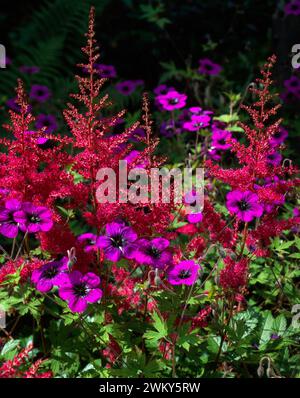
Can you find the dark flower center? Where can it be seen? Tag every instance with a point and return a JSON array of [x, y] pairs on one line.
[[153, 252], [222, 141], [277, 135], [80, 290], [208, 67], [117, 240], [243, 205], [50, 272], [173, 101], [169, 128], [252, 248], [10, 218], [184, 274], [34, 219]]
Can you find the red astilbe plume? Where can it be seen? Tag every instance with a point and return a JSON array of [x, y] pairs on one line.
[[28, 171], [26, 267], [149, 218], [270, 227], [234, 275], [201, 319], [18, 366], [253, 157], [255, 172], [216, 226], [94, 147]]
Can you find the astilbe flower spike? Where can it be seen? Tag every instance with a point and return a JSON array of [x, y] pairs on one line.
[[20, 164], [15, 368], [95, 148], [264, 183]]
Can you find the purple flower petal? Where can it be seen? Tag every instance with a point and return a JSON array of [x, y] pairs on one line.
[[9, 230], [44, 285], [91, 279], [94, 295], [77, 304]]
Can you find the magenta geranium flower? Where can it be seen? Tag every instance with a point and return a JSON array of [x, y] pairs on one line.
[[244, 204], [274, 158], [197, 122], [132, 156], [8, 225], [127, 87], [3, 193], [79, 290], [49, 275], [292, 84], [172, 100], [219, 139], [48, 121], [33, 219], [107, 71], [195, 110], [184, 273], [279, 137], [137, 134], [89, 240], [153, 252], [214, 154], [292, 8], [39, 140], [170, 128], [162, 89], [296, 212], [207, 67], [118, 241], [12, 104], [194, 218], [39, 93]]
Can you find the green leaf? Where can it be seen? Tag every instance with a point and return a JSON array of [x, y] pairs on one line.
[[279, 325], [9, 346], [161, 331], [295, 255], [188, 339], [228, 118], [235, 128], [266, 329]]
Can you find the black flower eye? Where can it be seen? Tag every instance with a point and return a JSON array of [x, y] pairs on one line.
[[184, 274], [80, 290], [243, 205]]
